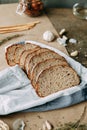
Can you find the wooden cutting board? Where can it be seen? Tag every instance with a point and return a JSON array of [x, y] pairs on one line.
[[34, 120]]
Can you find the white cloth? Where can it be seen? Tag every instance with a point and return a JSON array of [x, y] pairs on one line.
[[12, 78], [17, 94]]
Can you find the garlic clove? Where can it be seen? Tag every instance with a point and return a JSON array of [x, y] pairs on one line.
[[48, 125], [62, 31], [74, 53], [64, 37], [44, 126]]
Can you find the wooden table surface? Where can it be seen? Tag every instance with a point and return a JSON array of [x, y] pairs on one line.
[[34, 120], [75, 28]]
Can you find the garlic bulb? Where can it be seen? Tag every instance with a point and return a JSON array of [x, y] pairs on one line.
[[3, 126], [18, 124], [48, 36]]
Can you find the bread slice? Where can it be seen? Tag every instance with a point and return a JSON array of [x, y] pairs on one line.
[[19, 51], [56, 78], [29, 56], [10, 53], [44, 65], [41, 57], [30, 46], [24, 55]]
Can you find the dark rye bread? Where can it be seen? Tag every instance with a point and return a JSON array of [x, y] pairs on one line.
[[41, 57], [10, 54], [24, 55], [29, 56], [44, 65], [19, 51], [56, 78]]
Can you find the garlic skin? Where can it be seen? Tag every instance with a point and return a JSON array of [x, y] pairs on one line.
[[72, 40], [64, 37], [74, 53], [61, 41], [18, 124], [3, 126], [48, 36]]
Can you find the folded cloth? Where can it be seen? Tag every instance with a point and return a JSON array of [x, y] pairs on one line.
[[12, 78], [62, 101], [17, 93]]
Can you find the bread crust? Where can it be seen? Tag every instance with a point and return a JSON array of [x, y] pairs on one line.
[[10, 55], [20, 50], [27, 61], [39, 67], [50, 74], [75, 80], [41, 57], [28, 57], [24, 55]]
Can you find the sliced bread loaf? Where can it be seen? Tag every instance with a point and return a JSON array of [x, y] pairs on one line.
[[10, 54], [19, 51], [44, 65], [29, 56], [41, 57], [56, 78], [24, 55]]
